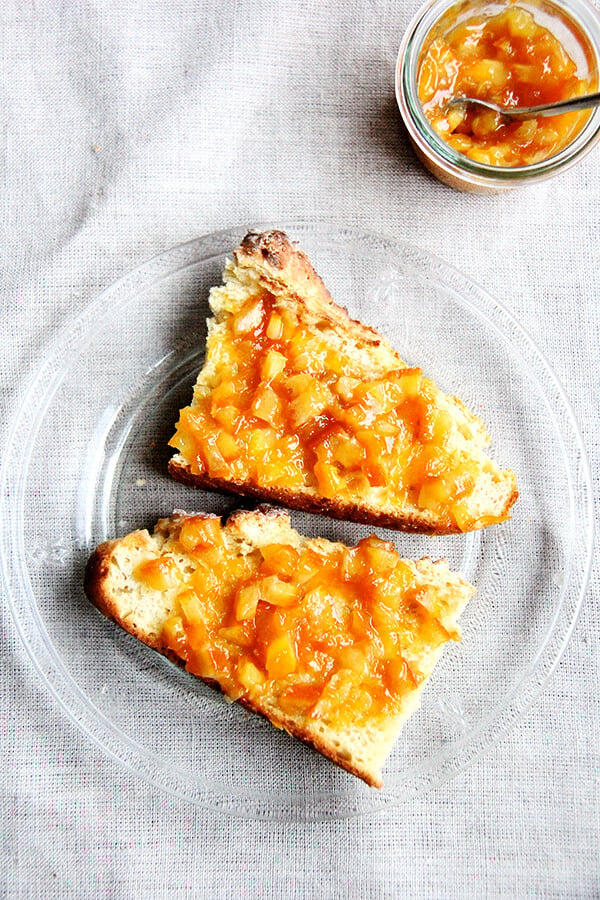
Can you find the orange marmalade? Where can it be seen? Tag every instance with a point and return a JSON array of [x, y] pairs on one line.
[[326, 631], [509, 59], [285, 411]]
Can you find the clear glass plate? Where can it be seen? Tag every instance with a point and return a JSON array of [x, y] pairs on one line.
[[87, 460]]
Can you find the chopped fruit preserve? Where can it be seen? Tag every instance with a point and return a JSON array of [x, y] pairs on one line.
[[509, 59], [331, 632], [286, 412]]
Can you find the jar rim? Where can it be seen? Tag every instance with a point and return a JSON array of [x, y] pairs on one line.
[[586, 20]]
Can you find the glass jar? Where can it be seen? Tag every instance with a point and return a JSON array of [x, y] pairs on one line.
[[576, 25]]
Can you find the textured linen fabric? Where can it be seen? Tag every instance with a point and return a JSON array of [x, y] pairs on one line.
[[132, 127]]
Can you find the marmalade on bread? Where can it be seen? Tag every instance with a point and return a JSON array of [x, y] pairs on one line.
[[334, 635], [285, 410]]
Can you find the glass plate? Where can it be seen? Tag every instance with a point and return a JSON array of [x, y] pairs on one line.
[[87, 459]]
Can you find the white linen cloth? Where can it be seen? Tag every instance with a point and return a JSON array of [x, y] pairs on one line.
[[129, 127]]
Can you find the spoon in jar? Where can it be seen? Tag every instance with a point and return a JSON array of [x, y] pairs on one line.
[[530, 112]]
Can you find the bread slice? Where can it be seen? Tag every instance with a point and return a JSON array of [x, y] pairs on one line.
[[298, 404], [331, 643]]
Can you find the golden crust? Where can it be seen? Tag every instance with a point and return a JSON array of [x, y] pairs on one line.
[[97, 580], [308, 501], [285, 268], [319, 744]]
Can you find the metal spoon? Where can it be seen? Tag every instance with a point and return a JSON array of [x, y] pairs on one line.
[[531, 112]]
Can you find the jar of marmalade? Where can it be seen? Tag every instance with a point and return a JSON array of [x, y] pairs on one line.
[[512, 52]]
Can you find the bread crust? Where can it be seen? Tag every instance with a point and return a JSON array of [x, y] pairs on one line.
[[100, 587], [284, 267], [96, 586], [310, 502], [269, 261]]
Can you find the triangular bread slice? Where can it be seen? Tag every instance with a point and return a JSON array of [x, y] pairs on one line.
[[331, 643], [298, 404]]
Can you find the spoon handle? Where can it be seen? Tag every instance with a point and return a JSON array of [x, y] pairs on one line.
[[553, 109], [530, 112]]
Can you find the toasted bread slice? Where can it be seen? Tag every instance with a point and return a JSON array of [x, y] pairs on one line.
[[331, 643], [297, 403]]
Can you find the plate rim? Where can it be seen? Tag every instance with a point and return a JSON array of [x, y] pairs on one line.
[[390, 244]]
